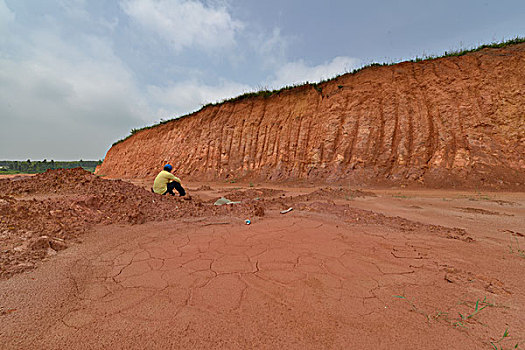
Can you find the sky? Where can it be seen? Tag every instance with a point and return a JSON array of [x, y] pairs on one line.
[[77, 75]]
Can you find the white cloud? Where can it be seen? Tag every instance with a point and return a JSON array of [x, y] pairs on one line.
[[272, 47], [67, 101], [74, 8], [6, 17], [187, 96], [185, 23], [91, 71], [299, 72]]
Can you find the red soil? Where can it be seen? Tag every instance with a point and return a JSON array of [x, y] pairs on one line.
[[62, 204], [455, 122], [345, 268]]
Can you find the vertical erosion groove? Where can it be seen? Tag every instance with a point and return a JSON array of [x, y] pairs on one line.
[[245, 138], [410, 137], [395, 137], [379, 142], [220, 139], [284, 152], [304, 151], [349, 151], [295, 144], [260, 145]]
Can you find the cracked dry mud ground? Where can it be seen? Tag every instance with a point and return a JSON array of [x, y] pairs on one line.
[[306, 279]]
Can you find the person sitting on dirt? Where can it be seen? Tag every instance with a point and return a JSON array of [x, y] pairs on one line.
[[165, 182]]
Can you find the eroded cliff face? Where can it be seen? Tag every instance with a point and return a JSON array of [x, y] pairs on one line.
[[449, 122]]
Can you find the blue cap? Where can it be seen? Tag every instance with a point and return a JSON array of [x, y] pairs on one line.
[[168, 167]]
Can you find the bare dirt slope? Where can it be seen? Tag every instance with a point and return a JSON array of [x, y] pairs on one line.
[[448, 122]]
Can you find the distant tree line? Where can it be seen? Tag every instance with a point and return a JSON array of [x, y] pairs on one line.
[[40, 166]]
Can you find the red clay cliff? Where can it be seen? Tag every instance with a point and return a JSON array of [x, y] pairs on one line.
[[447, 122]]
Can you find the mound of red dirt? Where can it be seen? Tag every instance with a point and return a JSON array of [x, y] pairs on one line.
[[333, 193], [203, 188], [84, 200], [252, 194], [351, 215]]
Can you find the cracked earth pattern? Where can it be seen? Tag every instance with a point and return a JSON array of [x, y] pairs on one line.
[[298, 282]]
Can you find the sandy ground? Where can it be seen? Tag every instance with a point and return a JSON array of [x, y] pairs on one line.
[[10, 176], [400, 270]]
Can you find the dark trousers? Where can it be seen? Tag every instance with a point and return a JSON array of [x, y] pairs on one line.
[[175, 185]]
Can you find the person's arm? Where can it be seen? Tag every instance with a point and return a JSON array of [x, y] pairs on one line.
[[173, 178]]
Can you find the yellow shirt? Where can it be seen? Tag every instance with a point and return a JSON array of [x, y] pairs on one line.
[[160, 185]]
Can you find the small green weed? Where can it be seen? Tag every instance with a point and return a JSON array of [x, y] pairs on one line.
[[495, 344], [480, 305], [430, 317], [414, 308], [317, 87], [463, 318], [478, 197], [516, 249], [461, 322]]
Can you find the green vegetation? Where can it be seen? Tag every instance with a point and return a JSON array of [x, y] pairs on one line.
[[35, 167], [265, 93], [476, 197], [459, 322], [514, 247], [480, 305], [495, 344], [412, 305], [400, 195]]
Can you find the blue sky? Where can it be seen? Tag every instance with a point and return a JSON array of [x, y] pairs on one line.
[[76, 75]]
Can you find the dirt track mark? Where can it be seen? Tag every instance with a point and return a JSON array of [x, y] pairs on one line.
[[481, 211]]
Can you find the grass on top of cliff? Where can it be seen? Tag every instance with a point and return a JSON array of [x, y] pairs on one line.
[[265, 93]]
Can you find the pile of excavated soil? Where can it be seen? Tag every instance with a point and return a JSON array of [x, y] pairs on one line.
[[44, 213], [334, 193], [351, 215], [252, 194]]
